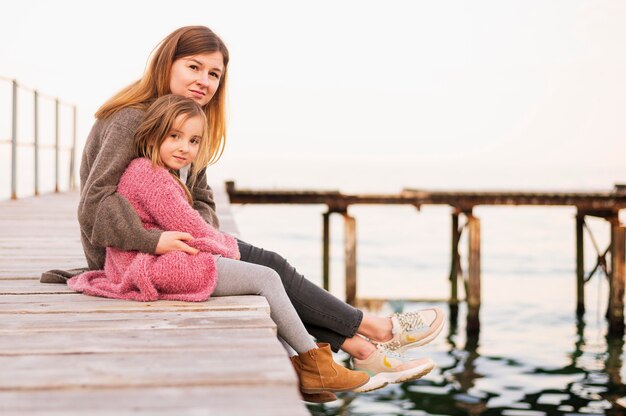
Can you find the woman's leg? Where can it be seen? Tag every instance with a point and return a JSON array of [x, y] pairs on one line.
[[333, 321], [325, 317], [239, 278]]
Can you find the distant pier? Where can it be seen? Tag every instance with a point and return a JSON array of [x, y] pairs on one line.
[[604, 205]]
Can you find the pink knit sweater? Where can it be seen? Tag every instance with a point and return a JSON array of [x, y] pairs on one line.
[[161, 204]]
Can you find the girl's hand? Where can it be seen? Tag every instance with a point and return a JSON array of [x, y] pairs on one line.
[[174, 241]]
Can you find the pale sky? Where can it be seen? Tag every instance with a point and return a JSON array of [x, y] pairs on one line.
[[500, 82]]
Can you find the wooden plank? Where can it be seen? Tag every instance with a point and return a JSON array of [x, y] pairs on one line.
[[241, 366], [31, 286], [276, 400], [592, 201], [31, 273], [134, 341], [26, 263], [19, 324], [12, 304]]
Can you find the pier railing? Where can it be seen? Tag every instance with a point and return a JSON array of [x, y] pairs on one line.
[[16, 140], [604, 205]]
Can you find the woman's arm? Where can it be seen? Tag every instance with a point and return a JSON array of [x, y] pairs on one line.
[[203, 201], [107, 219]]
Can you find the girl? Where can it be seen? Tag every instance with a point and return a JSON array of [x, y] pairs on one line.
[[193, 62], [171, 137]]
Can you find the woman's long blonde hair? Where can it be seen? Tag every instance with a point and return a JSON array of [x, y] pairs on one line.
[[159, 121], [186, 41]]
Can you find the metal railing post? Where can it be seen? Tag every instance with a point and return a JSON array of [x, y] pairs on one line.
[[36, 139], [14, 143], [36, 143], [73, 151]]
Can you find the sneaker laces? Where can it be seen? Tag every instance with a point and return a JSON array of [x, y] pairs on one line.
[[390, 353], [410, 320]]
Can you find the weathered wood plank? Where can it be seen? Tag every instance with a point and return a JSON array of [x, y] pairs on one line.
[[156, 401], [156, 369], [21, 323], [217, 341], [12, 304], [30, 274], [593, 201], [18, 264], [31, 286]]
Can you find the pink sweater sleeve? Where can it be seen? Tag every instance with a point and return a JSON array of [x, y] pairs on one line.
[[155, 191]]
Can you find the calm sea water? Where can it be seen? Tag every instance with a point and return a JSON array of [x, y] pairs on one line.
[[533, 356]]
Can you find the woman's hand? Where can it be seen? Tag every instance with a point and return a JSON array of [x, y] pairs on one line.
[[175, 241]]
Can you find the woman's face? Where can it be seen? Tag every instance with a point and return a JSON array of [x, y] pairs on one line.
[[197, 76]]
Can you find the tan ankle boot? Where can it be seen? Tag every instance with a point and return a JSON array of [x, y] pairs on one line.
[[318, 372], [322, 397]]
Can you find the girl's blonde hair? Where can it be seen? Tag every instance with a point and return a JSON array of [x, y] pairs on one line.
[[183, 42], [159, 121]]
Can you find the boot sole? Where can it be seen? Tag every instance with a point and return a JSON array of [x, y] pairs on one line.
[[395, 378], [310, 391], [306, 398]]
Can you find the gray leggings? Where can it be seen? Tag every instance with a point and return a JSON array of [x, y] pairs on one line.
[[236, 277]]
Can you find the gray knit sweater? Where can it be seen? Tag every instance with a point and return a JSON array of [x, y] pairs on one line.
[[106, 218]]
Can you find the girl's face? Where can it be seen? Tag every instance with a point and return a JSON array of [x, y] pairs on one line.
[[180, 147], [197, 76]]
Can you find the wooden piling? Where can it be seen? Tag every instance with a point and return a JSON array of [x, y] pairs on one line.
[[350, 257], [326, 251], [580, 264], [473, 286], [616, 291], [454, 265]]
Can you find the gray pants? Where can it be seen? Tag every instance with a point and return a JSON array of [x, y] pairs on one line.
[[236, 277], [324, 316]]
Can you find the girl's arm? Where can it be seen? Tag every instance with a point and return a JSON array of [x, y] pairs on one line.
[[106, 219], [154, 191]]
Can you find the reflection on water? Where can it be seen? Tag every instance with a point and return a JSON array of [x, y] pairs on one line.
[[520, 365]]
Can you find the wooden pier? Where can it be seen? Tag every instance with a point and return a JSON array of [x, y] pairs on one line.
[[63, 353], [605, 205]]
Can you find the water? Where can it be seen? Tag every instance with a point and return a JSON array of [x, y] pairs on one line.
[[533, 356], [528, 360]]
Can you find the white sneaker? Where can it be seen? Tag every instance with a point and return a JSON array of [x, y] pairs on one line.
[[385, 367], [413, 329]]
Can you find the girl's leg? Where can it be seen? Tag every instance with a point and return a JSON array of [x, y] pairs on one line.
[[239, 278], [326, 318], [316, 369]]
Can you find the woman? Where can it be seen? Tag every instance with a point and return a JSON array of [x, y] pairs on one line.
[[193, 62]]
